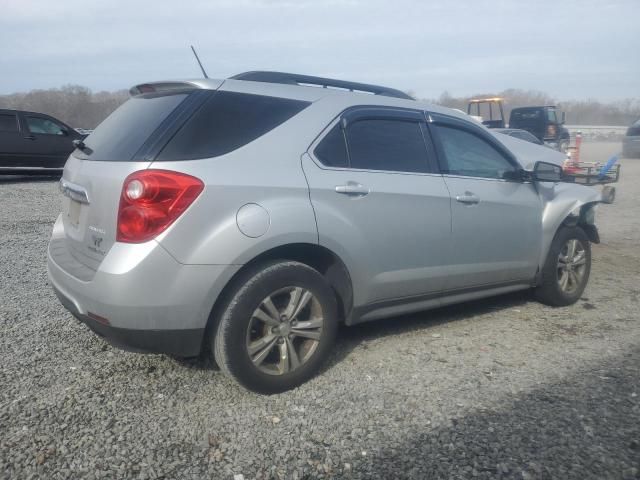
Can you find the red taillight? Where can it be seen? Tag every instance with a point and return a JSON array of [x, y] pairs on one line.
[[151, 200]]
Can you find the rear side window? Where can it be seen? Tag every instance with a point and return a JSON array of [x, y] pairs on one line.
[[120, 136], [469, 155], [391, 145], [8, 122], [332, 150], [227, 121]]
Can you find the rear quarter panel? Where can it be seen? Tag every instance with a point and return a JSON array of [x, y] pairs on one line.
[[266, 172]]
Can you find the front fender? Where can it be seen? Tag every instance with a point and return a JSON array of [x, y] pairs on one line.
[[566, 203]]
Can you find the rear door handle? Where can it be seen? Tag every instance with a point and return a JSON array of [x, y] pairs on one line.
[[30, 137], [352, 188], [468, 199]]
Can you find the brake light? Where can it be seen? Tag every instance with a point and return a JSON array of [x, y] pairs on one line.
[[151, 200]]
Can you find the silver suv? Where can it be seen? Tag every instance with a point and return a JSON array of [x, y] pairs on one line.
[[244, 219]]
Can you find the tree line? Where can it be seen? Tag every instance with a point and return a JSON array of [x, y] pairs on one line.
[[75, 105], [78, 106]]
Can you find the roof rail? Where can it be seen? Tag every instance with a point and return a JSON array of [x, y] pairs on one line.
[[308, 80]]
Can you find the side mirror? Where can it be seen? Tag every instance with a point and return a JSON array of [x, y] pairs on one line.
[[563, 118], [547, 172], [64, 131]]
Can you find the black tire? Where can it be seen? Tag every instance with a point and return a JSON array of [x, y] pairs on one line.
[[238, 323], [550, 291]]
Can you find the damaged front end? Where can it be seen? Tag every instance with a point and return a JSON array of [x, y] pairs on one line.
[[566, 200], [569, 204]]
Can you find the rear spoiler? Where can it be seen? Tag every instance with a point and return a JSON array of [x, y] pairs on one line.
[[154, 87]]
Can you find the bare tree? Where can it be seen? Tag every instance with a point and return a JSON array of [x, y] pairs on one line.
[[583, 112], [80, 107], [73, 104]]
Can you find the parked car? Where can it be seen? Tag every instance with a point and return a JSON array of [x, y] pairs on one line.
[[631, 141], [520, 134], [247, 217], [34, 143]]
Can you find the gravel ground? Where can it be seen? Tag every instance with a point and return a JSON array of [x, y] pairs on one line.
[[501, 388]]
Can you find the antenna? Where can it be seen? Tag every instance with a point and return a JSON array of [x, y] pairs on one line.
[[199, 63]]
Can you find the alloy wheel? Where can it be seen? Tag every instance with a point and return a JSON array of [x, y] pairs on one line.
[[571, 267], [285, 330]]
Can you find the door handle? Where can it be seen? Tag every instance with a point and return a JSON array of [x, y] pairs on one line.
[[30, 137], [468, 199], [352, 188]]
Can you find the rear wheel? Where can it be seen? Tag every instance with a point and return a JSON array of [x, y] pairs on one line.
[[566, 271], [278, 328]]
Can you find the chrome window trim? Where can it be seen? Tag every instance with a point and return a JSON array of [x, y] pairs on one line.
[[74, 191], [311, 150]]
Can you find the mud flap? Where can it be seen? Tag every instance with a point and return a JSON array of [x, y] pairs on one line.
[[592, 232]]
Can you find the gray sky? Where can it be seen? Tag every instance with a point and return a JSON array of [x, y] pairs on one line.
[[571, 49]]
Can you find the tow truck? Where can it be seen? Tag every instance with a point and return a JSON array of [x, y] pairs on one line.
[[544, 122]]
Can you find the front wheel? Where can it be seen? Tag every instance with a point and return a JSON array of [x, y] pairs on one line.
[[278, 328], [567, 268]]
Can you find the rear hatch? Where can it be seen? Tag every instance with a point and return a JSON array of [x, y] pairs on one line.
[[122, 144]]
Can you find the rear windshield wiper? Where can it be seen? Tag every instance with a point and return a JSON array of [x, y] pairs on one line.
[[79, 144]]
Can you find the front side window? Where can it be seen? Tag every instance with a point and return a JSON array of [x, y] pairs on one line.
[[551, 116], [469, 155], [44, 126], [8, 122], [391, 145]]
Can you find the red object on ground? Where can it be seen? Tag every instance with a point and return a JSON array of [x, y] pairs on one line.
[[578, 144]]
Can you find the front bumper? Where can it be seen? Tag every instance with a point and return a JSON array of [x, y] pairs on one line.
[[139, 297]]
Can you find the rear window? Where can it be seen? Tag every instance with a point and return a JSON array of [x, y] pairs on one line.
[[523, 135], [227, 121], [525, 116], [8, 122], [120, 136]]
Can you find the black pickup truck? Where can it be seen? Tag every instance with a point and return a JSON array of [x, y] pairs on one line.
[[34, 143], [544, 123]]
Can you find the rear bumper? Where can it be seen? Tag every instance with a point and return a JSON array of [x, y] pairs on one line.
[[181, 343], [139, 298]]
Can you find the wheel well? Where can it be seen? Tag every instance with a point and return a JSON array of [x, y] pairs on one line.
[[584, 221], [321, 259], [317, 257]]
